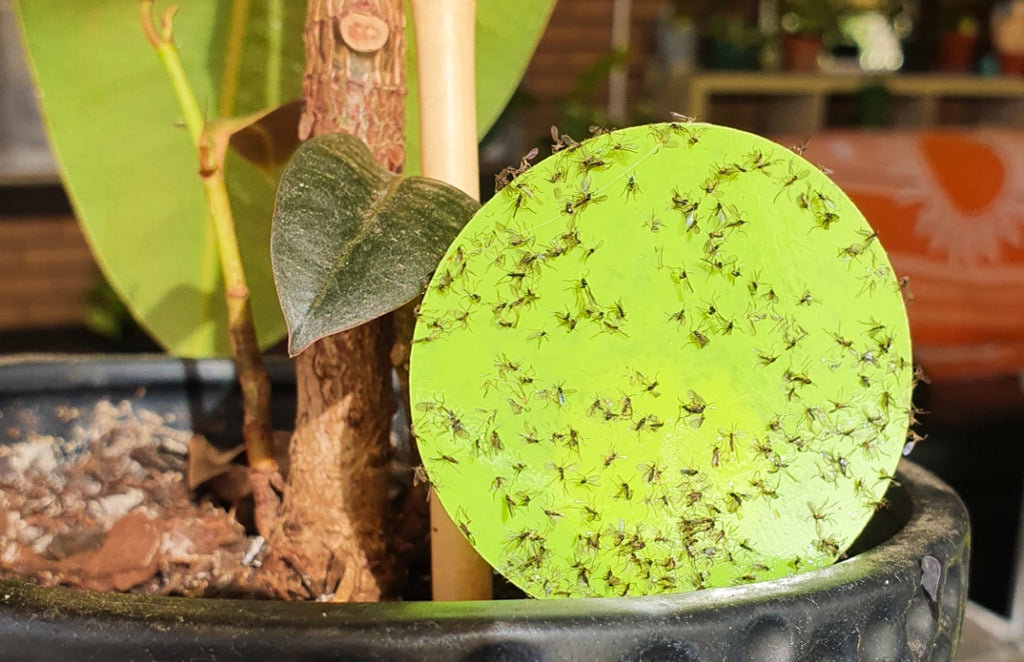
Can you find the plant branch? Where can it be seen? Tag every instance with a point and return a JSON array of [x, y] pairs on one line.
[[251, 374], [252, 377], [162, 41]]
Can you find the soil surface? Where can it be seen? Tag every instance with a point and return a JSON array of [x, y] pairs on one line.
[[111, 509]]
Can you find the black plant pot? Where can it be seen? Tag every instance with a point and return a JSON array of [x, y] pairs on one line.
[[902, 597]]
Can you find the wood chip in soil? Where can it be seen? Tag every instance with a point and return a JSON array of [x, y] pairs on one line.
[[111, 510]]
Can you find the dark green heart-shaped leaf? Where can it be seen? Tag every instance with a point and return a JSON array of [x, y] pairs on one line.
[[351, 241]]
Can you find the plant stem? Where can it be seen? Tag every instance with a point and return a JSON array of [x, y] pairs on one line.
[[162, 41], [252, 376], [233, 57], [337, 524], [275, 52]]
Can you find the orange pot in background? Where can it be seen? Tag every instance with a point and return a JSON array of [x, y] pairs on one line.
[[800, 52], [957, 52], [1011, 64], [948, 205]]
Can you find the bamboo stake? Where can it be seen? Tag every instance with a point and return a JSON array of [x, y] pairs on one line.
[[444, 32]]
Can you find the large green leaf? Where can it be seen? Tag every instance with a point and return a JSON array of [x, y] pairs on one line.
[[352, 241], [130, 172]]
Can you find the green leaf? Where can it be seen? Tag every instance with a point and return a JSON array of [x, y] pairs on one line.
[[352, 241], [131, 174]]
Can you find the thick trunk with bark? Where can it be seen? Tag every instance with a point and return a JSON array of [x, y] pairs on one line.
[[336, 530], [355, 74]]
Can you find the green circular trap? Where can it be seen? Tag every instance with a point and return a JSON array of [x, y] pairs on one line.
[[669, 357]]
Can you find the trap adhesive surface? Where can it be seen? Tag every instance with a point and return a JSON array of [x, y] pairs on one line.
[[669, 357]]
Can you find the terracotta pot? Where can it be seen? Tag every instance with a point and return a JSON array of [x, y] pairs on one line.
[[1011, 64], [800, 52], [957, 52]]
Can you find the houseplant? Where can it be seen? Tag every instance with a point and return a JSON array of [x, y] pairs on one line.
[[958, 44], [729, 37], [638, 638], [806, 24], [175, 292]]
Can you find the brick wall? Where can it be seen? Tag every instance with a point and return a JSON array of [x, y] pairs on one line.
[[578, 35], [45, 270]]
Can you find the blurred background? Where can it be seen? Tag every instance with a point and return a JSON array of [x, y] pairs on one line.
[[916, 107]]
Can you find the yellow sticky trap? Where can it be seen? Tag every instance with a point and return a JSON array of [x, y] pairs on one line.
[[666, 358]]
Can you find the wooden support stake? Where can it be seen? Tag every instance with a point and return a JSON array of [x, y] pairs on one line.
[[445, 47]]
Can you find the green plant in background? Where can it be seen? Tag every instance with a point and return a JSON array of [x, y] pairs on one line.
[[967, 25], [105, 313], [669, 357], [582, 109], [731, 37], [811, 17], [957, 17]]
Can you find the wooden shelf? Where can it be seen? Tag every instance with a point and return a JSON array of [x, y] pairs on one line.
[[767, 102]]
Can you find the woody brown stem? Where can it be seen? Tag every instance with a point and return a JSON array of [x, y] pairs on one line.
[[337, 522]]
